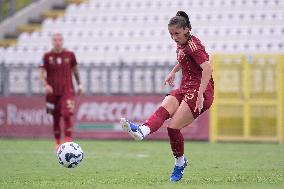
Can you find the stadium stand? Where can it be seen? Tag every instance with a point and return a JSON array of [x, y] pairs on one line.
[[123, 48], [114, 31]]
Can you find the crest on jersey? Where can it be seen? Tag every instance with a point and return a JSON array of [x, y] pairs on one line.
[[50, 60]]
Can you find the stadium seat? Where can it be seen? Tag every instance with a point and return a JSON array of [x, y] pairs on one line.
[[112, 31]]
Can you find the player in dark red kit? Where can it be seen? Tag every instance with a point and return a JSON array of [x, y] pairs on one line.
[[194, 96], [56, 72]]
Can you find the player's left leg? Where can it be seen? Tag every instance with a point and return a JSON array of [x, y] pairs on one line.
[[182, 117]]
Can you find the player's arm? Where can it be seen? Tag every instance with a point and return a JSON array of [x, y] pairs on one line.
[[202, 59], [206, 76], [171, 77], [78, 80], [42, 75], [176, 68]]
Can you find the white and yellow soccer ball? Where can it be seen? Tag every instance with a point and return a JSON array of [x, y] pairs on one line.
[[70, 154]]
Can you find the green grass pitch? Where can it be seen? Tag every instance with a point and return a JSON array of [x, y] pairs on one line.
[[148, 164]]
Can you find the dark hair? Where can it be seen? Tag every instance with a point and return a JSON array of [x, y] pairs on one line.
[[181, 20]]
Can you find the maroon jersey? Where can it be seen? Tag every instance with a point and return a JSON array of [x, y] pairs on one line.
[[190, 56], [59, 69]]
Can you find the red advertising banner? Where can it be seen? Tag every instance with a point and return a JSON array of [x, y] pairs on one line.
[[95, 117]]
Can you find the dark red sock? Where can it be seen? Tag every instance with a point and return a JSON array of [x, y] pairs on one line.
[[156, 120], [68, 127], [177, 142], [56, 127]]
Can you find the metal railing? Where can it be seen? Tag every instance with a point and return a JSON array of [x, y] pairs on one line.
[[96, 79]]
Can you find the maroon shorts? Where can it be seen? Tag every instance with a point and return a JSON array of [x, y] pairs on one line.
[[190, 97], [63, 104]]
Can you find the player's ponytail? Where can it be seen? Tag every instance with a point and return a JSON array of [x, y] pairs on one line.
[[181, 20], [185, 16]]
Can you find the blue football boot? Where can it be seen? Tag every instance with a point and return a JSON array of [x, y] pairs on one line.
[[178, 172], [133, 129]]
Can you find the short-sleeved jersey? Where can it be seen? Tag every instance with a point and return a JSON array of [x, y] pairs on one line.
[[59, 69], [190, 56]]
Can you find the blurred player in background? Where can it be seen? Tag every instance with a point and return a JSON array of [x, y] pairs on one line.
[[56, 72], [194, 96]]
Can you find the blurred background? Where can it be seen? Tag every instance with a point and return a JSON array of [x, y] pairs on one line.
[[125, 52]]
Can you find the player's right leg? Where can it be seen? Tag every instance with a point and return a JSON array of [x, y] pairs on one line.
[[154, 122]]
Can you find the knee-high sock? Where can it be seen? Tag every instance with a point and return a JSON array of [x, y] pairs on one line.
[[176, 141], [68, 128], [156, 120], [56, 127]]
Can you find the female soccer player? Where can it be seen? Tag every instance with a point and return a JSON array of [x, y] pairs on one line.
[[194, 96], [58, 66]]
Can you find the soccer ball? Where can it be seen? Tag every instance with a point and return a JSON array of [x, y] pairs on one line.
[[70, 154]]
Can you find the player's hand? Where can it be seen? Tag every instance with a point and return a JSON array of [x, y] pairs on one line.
[[170, 79], [48, 89], [80, 91], [199, 103]]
